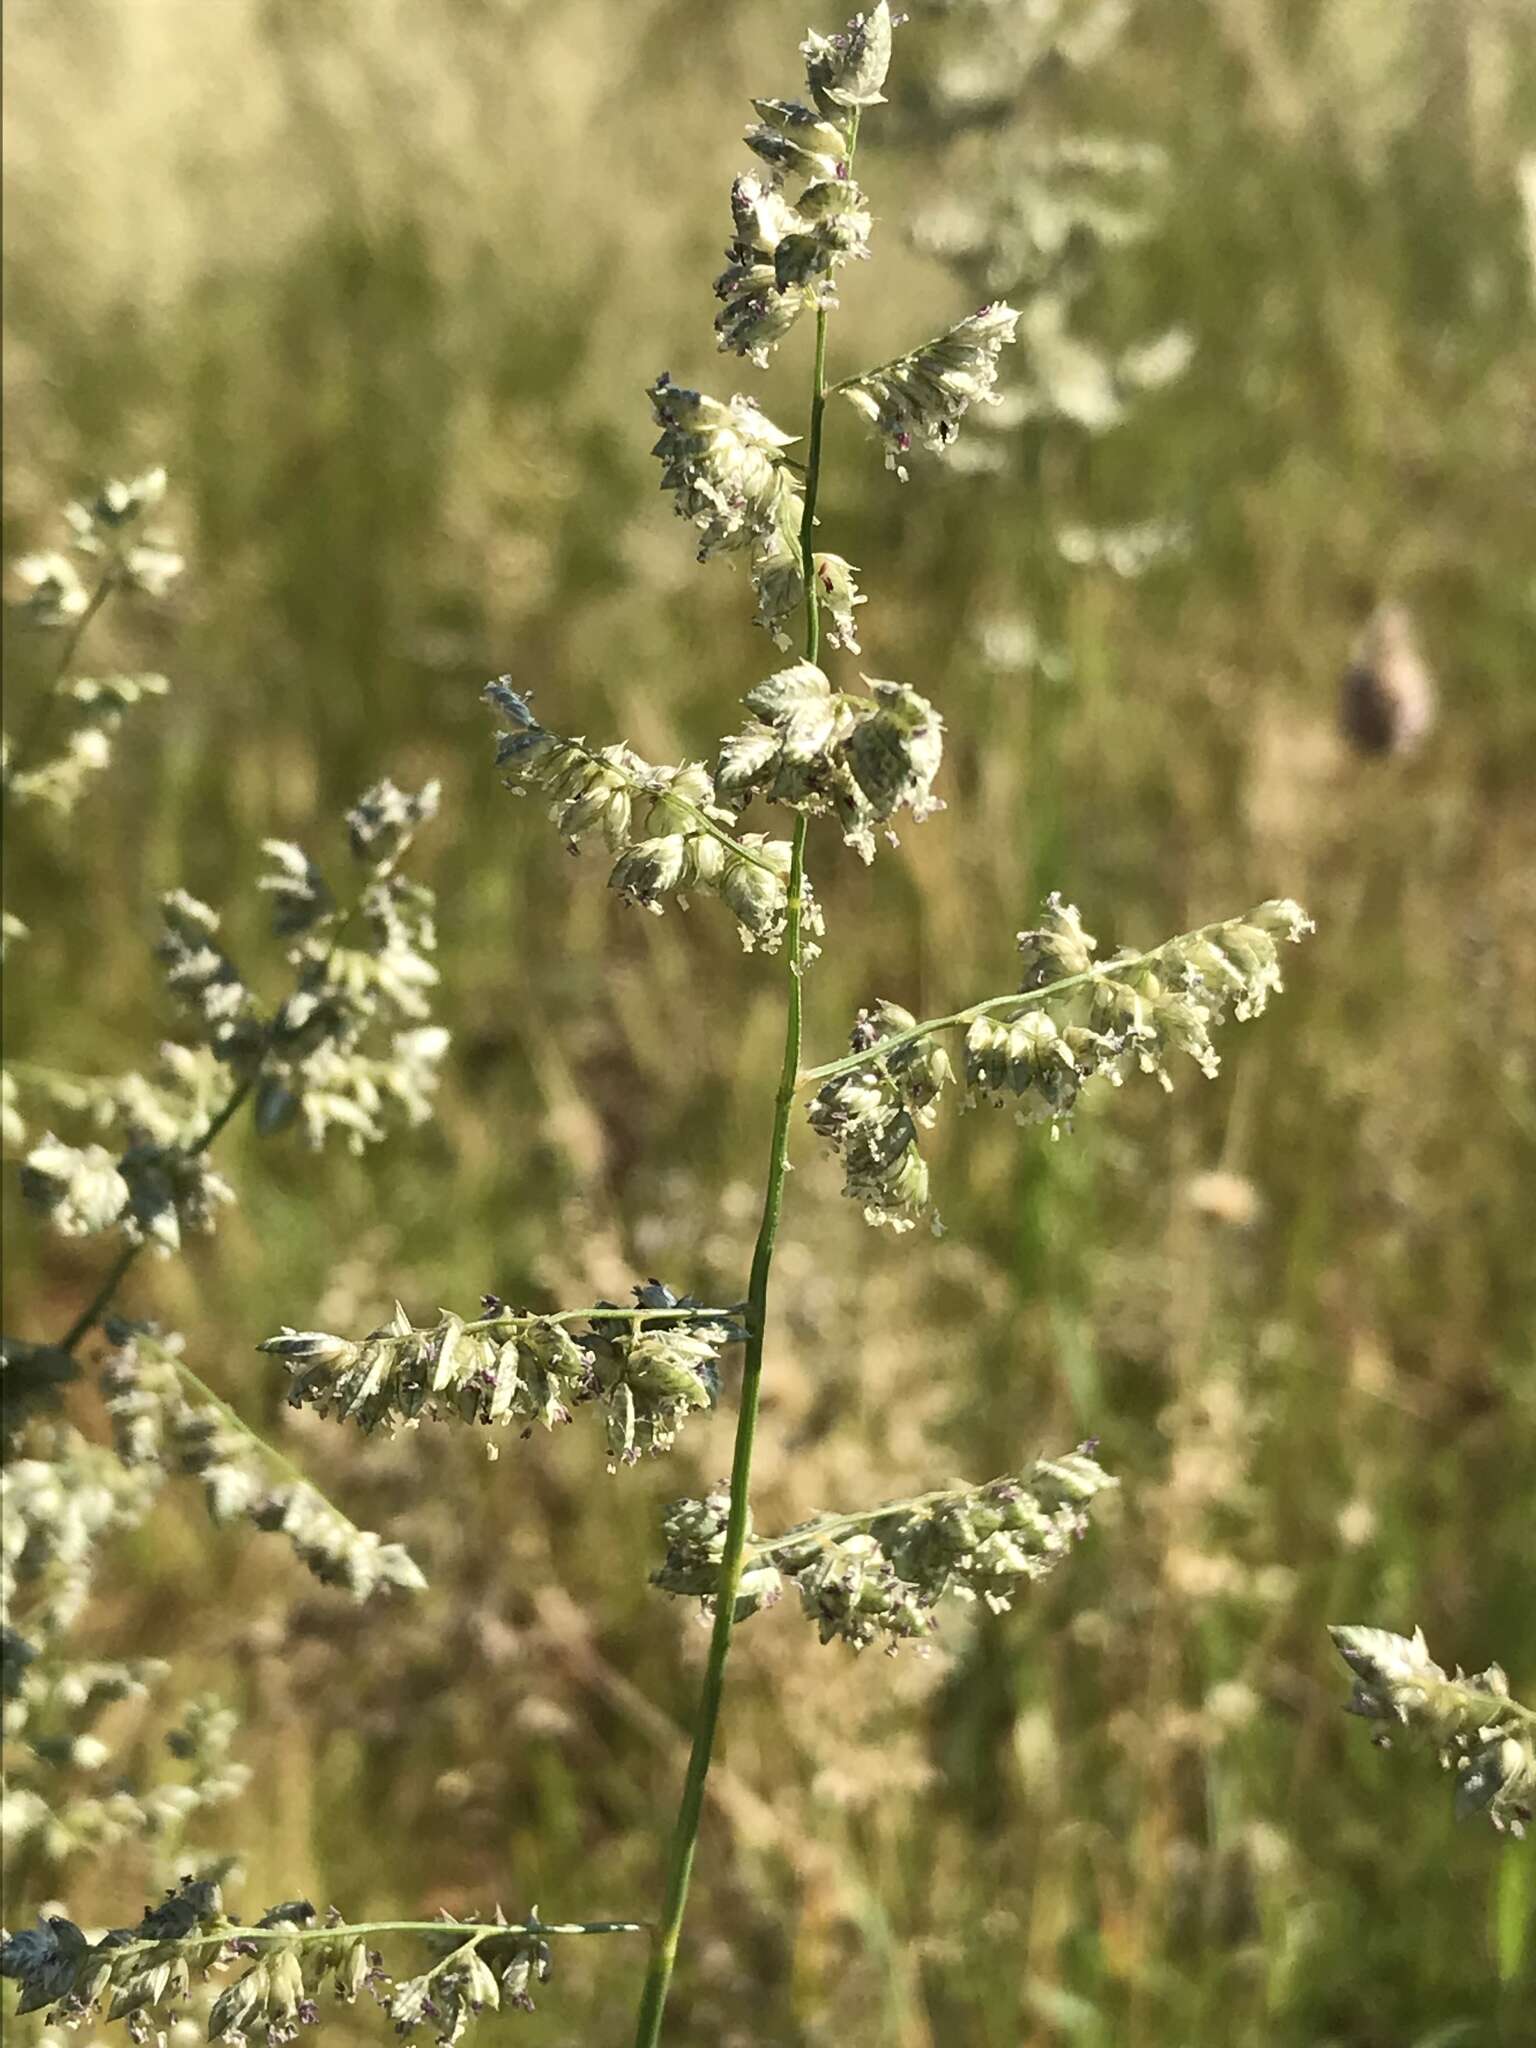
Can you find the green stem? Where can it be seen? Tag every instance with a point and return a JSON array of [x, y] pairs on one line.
[[97, 1306], [685, 1831], [490, 1325], [204, 1392], [773, 1547]]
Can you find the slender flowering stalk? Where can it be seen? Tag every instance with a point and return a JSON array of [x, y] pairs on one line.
[[685, 1830], [354, 1040], [1069, 1023], [881, 1572], [287, 1960]]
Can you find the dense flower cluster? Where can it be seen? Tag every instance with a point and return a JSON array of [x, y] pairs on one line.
[[921, 398], [649, 1367], [354, 1039], [882, 1574], [784, 252], [74, 1795], [112, 531], [58, 1504], [671, 835], [67, 1790], [820, 749], [724, 465], [289, 1961], [1072, 1021], [351, 1041], [159, 1425], [871, 1115], [1483, 1737], [111, 540]]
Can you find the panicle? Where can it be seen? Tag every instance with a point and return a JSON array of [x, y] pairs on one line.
[[158, 1421], [353, 1041], [823, 750], [1073, 1021], [1486, 1739], [920, 399], [784, 252], [96, 706], [648, 1368], [111, 530], [669, 832], [881, 1575]]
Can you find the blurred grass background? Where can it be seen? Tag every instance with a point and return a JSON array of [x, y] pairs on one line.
[[382, 286]]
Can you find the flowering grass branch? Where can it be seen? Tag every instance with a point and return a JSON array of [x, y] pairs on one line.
[[861, 758], [1483, 1737], [143, 1975]]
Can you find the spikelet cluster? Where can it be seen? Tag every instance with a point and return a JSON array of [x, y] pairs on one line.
[[649, 1369], [920, 399], [1483, 1737], [724, 464], [159, 1424], [1074, 1021], [291, 1964], [113, 533], [871, 1116], [881, 1576], [785, 251], [353, 1043], [669, 833], [111, 547], [862, 758]]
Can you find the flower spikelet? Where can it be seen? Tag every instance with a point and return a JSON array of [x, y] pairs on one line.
[[158, 1422], [667, 828], [201, 974], [866, 1577], [848, 69], [649, 1368], [1486, 1739], [921, 398], [818, 749], [1073, 1020], [871, 1116], [721, 462], [80, 1189]]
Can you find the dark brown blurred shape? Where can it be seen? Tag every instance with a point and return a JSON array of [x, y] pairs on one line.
[[1387, 702]]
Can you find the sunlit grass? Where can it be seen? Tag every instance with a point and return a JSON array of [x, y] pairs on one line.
[[384, 302]]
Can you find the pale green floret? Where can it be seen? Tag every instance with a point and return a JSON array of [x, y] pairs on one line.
[[849, 68]]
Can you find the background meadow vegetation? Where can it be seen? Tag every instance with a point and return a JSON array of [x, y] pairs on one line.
[[383, 286]]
